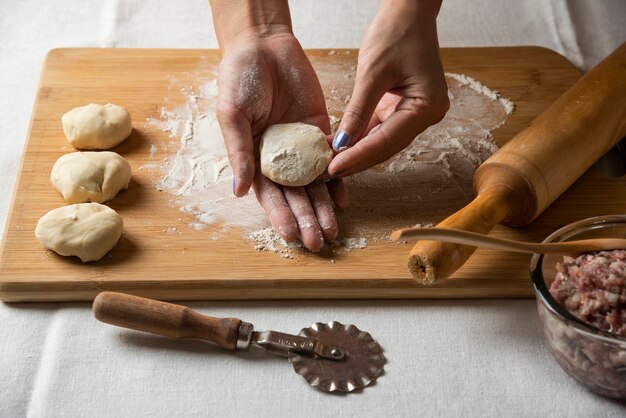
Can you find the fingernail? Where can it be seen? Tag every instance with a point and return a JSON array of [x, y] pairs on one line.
[[341, 140], [234, 184]]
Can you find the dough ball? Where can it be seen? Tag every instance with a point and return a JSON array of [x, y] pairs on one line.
[[96, 127], [294, 154], [90, 176], [86, 230]]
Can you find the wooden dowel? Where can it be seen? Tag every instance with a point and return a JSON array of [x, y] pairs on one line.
[[457, 236]]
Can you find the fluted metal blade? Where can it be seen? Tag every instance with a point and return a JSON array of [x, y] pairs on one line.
[[362, 364]]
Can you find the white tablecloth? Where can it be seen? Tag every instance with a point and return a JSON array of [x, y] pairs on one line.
[[446, 358]]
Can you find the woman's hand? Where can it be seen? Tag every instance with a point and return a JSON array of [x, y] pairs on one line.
[[264, 79], [400, 88]]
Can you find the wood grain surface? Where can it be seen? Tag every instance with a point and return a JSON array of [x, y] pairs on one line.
[[190, 265]]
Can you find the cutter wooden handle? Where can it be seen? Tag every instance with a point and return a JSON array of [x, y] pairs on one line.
[[528, 173], [163, 318]]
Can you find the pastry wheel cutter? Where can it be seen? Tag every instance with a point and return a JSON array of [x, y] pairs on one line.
[[332, 357]]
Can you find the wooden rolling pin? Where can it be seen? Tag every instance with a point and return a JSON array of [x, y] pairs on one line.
[[527, 174]]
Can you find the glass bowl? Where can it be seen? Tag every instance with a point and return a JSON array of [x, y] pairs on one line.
[[593, 357]]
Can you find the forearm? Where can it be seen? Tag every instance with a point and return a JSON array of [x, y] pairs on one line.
[[259, 17], [411, 18], [424, 10]]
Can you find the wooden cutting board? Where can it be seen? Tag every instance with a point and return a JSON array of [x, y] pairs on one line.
[[190, 264]]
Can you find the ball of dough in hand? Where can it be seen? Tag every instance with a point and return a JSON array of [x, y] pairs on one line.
[[294, 154], [86, 230], [90, 176], [96, 127]]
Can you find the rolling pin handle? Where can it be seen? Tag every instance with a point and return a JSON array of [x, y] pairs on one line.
[[166, 319], [433, 261]]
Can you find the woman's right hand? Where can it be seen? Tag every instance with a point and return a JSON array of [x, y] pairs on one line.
[[400, 89]]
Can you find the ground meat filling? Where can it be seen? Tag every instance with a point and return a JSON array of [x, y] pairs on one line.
[[592, 287]]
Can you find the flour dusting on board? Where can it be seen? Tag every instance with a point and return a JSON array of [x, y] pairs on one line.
[[195, 170], [430, 178], [465, 80]]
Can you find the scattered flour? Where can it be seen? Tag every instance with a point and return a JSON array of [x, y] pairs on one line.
[[267, 240], [465, 80], [194, 168], [418, 225], [353, 243], [430, 178]]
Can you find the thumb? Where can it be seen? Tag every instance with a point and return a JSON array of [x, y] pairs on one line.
[[237, 133], [365, 97]]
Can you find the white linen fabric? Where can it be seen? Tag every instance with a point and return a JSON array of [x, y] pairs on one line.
[[445, 357]]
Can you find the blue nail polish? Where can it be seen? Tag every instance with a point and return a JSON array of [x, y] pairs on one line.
[[342, 140], [234, 184]]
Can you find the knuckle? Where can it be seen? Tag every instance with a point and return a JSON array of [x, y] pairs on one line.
[[226, 112], [354, 115], [238, 158], [440, 106], [434, 106], [387, 142], [317, 193], [438, 103]]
